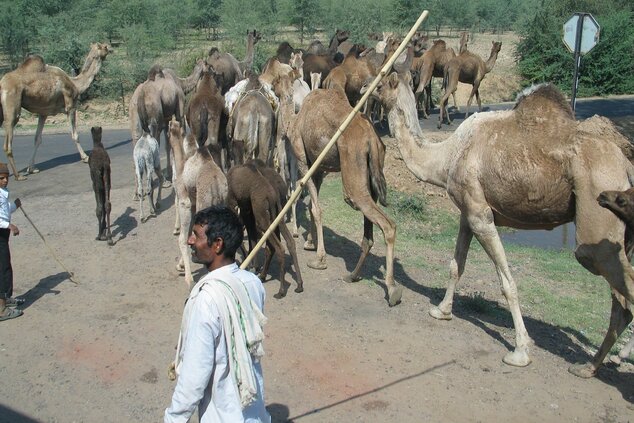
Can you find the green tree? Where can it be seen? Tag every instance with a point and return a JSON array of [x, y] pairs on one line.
[[303, 14], [17, 30]]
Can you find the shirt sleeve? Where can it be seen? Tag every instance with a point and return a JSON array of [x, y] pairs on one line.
[[12, 206], [199, 356]]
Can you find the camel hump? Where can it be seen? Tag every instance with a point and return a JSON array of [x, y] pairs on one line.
[[539, 101], [604, 129], [33, 63]]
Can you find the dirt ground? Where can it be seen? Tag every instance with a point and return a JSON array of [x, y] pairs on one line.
[[98, 351]]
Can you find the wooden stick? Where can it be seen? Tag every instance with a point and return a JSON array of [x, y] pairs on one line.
[[384, 70], [70, 274]]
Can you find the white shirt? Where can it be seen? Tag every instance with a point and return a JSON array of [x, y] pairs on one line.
[[6, 208], [204, 378]]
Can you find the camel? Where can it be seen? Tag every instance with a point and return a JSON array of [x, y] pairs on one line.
[[201, 184], [227, 66], [159, 99], [147, 161], [205, 112], [252, 39], [469, 69], [188, 147], [251, 125], [533, 167], [359, 155], [99, 163], [46, 91], [432, 64], [187, 85], [621, 203], [253, 191], [315, 80], [351, 76]]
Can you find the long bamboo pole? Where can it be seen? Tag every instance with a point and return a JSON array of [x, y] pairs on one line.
[[384, 70]]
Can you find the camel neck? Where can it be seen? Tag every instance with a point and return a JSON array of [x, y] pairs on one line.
[[491, 61], [87, 75], [188, 84], [250, 54]]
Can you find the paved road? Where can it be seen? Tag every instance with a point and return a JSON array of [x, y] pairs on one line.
[[58, 149]]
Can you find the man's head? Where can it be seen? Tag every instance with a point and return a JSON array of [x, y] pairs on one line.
[[4, 175], [216, 235]]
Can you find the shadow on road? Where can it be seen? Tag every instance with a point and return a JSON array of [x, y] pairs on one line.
[[44, 287], [7, 415]]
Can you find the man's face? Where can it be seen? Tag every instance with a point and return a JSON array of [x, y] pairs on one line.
[[201, 251], [4, 180]]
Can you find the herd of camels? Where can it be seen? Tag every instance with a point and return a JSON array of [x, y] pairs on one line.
[[532, 167]]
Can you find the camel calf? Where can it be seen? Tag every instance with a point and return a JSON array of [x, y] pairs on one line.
[[621, 203], [99, 163], [147, 161], [258, 191]]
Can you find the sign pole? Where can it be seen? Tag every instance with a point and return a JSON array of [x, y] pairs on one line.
[[575, 81]]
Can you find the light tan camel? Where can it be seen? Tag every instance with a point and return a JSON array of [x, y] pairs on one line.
[[359, 155], [188, 147], [533, 167], [201, 184], [188, 83], [45, 93], [351, 76], [227, 66], [467, 68], [432, 64]]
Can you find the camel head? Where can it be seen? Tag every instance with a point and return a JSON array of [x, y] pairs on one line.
[[254, 35], [100, 50], [342, 35], [496, 46], [96, 134], [621, 203], [387, 91]]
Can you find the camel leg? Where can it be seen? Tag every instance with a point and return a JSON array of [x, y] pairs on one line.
[[167, 176], [99, 199], [149, 188], [8, 147], [483, 227], [292, 162], [456, 269], [157, 170], [177, 219], [108, 207], [477, 94], [140, 193], [317, 229], [624, 353], [290, 244], [443, 109], [620, 317], [72, 118], [38, 140], [474, 92], [186, 212]]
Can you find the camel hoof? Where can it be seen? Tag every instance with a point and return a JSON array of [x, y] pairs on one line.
[[84, 159], [20, 177], [176, 232], [317, 264], [299, 289], [349, 278], [309, 246], [167, 184], [517, 359], [144, 219], [436, 313], [279, 295], [180, 268], [394, 295], [110, 242], [157, 206], [584, 371], [32, 170]]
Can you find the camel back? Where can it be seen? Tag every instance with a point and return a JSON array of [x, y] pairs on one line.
[[538, 101]]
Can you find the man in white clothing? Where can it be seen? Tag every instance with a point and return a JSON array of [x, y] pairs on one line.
[[206, 367]]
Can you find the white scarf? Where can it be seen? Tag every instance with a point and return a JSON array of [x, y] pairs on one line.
[[242, 328]]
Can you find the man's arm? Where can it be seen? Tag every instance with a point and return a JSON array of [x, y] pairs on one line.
[[199, 356]]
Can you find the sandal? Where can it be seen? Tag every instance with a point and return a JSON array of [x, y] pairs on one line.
[[10, 313], [14, 302]]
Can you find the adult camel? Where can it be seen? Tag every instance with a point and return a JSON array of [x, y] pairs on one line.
[[45, 90], [533, 167], [359, 155]]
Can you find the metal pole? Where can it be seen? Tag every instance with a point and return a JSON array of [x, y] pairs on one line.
[[300, 186], [575, 81]]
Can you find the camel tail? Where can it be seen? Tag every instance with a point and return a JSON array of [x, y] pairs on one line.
[[376, 158], [1, 111], [252, 138]]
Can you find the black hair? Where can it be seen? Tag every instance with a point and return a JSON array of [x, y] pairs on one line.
[[223, 223]]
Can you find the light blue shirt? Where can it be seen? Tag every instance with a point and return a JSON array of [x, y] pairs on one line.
[[6, 208], [204, 378]]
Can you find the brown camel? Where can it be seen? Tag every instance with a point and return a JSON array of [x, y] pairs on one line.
[[188, 147], [252, 39], [159, 100], [468, 69], [359, 155], [432, 64], [201, 184], [99, 163], [621, 203], [351, 76], [45, 90], [250, 128], [187, 85], [533, 167], [205, 113], [253, 191]]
